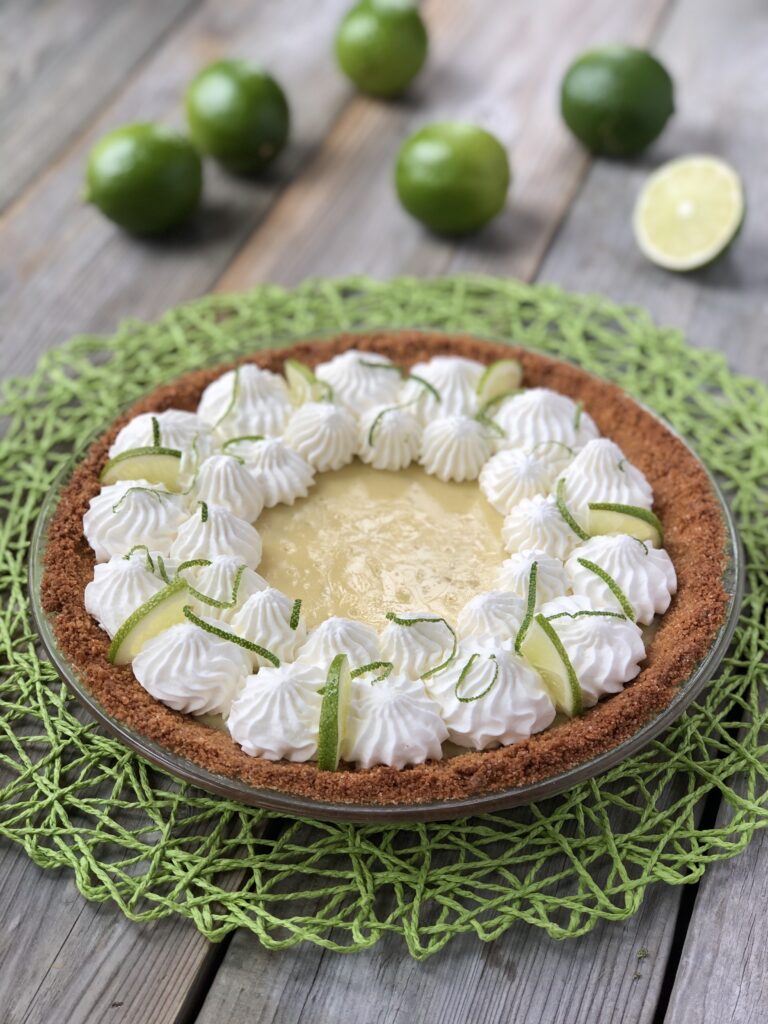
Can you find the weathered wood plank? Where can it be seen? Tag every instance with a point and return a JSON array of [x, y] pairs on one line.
[[64, 959], [59, 63], [67, 270], [612, 974], [716, 52], [723, 971], [500, 65]]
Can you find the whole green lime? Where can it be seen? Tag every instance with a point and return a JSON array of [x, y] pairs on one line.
[[238, 114], [616, 100], [452, 176], [381, 45], [144, 177]]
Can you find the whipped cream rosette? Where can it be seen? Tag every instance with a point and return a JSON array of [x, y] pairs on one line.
[[118, 588], [192, 670], [174, 428], [225, 480], [516, 473], [601, 473], [221, 585], [539, 415], [132, 512], [443, 386], [417, 643], [550, 579], [281, 473], [498, 613], [455, 448], [392, 721], [324, 434], [623, 574], [604, 647], [490, 697], [271, 620], [389, 437], [277, 713], [537, 523], [361, 379], [213, 530], [335, 636], [247, 400]]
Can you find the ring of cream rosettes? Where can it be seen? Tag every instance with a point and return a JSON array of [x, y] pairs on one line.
[[175, 584]]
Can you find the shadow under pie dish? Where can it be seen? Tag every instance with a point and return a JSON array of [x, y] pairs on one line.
[[678, 648]]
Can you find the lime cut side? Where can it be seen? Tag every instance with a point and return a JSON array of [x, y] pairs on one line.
[[155, 465], [162, 610], [333, 713], [544, 650], [498, 380], [303, 385], [688, 212], [640, 523]]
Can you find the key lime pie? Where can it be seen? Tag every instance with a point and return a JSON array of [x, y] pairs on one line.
[[388, 568]]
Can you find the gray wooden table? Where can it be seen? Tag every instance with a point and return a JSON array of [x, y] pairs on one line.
[[71, 69]]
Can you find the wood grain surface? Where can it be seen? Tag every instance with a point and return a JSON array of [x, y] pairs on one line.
[[72, 69]]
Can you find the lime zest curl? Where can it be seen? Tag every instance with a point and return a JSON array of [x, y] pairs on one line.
[[232, 637]]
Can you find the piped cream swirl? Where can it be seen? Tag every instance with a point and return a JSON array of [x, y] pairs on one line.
[[540, 414], [265, 619], [277, 713], [393, 722], [489, 697], [361, 379], [389, 437], [212, 530], [281, 473], [455, 448], [132, 512], [247, 400], [192, 670], [644, 575], [118, 588], [324, 434], [224, 480], [536, 523]]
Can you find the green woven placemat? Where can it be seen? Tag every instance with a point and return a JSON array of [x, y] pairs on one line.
[[75, 798]]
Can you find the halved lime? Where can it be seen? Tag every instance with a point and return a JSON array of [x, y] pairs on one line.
[[162, 610], [497, 380], [156, 465], [303, 385], [608, 517], [544, 650], [333, 713], [688, 212]]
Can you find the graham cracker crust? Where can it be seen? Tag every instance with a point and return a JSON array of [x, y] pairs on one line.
[[695, 537]]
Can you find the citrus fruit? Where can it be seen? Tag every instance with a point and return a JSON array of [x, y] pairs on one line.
[[452, 176], [616, 100], [333, 713], [381, 45], [303, 385], [162, 610], [237, 114], [688, 212], [157, 465], [497, 381], [144, 177], [543, 649], [610, 518]]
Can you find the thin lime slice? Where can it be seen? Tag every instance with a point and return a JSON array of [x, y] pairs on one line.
[[688, 212], [162, 610], [544, 650], [498, 379], [608, 517], [155, 465], [303, 385], [333, 713]]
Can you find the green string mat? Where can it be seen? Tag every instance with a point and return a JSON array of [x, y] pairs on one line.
[[75, 798]]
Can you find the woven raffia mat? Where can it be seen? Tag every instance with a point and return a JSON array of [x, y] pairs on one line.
[[76, 798]]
